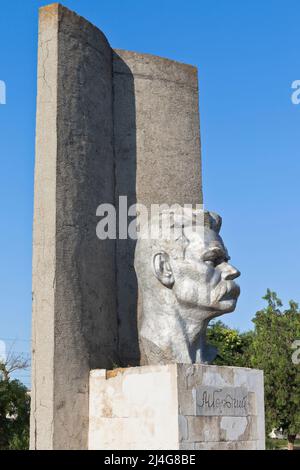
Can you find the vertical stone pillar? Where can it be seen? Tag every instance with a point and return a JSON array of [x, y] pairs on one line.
[[74, 296], [158, 156]]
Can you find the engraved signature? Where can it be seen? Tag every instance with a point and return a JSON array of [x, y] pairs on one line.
[[212, 400]]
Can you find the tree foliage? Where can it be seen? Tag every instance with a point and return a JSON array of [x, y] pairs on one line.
[[275, 332], [270, 348], [233, 346], [14, 407]]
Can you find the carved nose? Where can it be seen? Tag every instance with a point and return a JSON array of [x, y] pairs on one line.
[[231, 273]]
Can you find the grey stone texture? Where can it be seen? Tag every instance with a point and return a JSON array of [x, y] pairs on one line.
[[74, 289], [165, 128], [155, 407], [222, 430], [109, 123]]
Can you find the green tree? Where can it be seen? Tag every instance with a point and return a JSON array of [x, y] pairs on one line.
[[233, 346], [275, 332], [14, 407]]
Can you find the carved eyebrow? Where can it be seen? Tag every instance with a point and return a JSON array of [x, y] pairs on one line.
[[213, 252]]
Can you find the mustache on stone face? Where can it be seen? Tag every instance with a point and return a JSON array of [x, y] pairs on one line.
[[227, 290]]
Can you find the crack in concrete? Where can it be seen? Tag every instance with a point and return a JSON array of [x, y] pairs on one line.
[[45, 43]]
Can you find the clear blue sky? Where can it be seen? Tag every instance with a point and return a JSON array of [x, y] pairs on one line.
[[247, 54]]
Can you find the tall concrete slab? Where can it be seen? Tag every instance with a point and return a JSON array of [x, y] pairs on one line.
[[74, 293], [166, 143], [157, 151], [109, 124]]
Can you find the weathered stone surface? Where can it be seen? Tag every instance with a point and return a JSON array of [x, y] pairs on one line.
[[134, 409], [203, 428], [187, 402], [216, 376], [44, 236], [74, 307], [241, 428], [165, 128], [147, 408]]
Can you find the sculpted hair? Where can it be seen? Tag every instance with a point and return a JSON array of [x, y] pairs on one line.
[[170, 230]]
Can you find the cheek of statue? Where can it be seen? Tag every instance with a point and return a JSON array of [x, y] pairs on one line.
[[193, 283], [217, 287]]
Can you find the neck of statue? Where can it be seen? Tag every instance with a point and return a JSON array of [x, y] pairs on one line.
[[175, 327]]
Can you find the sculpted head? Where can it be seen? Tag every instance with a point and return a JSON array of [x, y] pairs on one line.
[[185, 277]]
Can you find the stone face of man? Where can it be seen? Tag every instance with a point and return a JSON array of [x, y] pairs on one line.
[[204, 277], [184, 281]]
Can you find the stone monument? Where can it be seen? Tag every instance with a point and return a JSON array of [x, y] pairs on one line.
[[177, 401], [113, 123]]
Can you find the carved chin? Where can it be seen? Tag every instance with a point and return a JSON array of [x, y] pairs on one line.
[[226, 306]]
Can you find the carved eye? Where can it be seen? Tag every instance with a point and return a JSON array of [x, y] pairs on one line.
[[209, 262], [215, 261], [214, 258]]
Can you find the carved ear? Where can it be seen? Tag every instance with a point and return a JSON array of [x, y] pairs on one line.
[[162, 269]]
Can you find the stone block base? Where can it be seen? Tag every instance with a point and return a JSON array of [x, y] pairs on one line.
[[176, 407]]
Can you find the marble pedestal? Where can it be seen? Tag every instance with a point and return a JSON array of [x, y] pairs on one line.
[[176, 407]]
